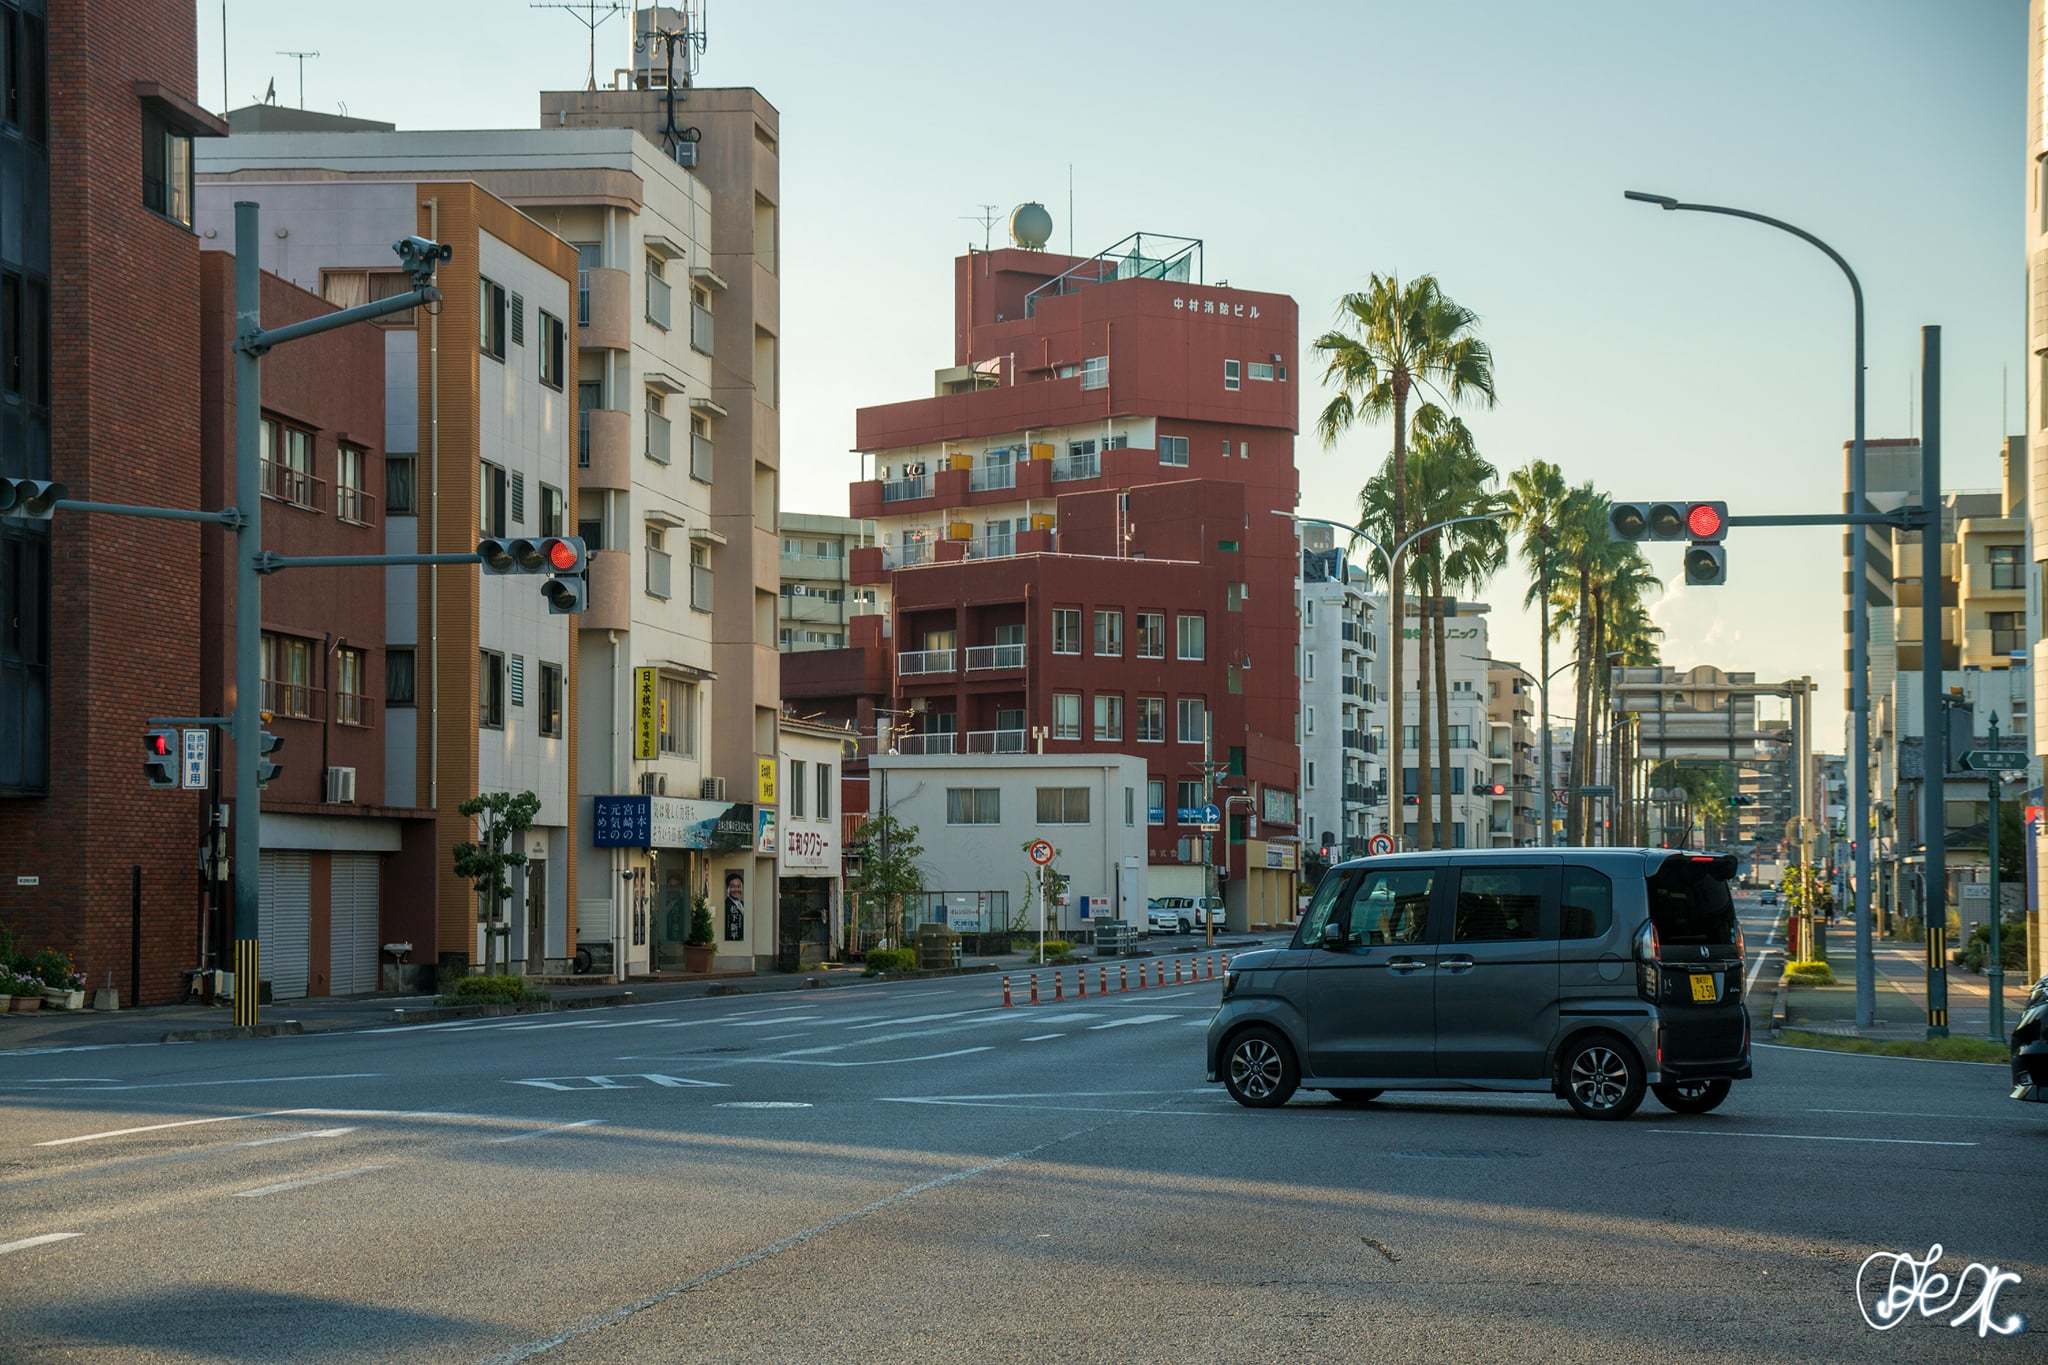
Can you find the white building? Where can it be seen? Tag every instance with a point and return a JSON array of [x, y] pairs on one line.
[[1466, 659], [809, 860], [975, 814], [1343, 721]]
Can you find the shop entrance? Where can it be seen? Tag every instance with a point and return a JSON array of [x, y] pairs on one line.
[[804, 928], [674, 875]]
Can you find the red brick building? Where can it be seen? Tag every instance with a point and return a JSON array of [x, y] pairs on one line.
[[112, 371], [1077, 545]]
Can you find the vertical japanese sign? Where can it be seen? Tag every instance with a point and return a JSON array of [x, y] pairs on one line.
[[646, 711], [192, 769], [765, 792]]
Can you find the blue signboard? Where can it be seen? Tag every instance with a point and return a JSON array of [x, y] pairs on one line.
[[1199, 815], [621, 821]]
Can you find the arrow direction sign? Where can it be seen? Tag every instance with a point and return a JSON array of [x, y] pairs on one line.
[[1995, 760]]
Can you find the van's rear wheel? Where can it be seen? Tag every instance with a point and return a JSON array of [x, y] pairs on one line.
[[1603, 1078], [1259, 1070], [1691, 1097], [1357, 1096]]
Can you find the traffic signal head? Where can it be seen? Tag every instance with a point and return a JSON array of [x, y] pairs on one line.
[[33, 499], [266, 745], [1706, 564], [1706, 520], [160, 757], [1667, 520], [531, 554]]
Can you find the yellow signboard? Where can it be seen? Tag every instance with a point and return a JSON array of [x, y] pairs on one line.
[[765, 788], [646, 712]]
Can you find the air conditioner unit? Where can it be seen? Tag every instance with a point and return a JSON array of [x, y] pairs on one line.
[[341, 786], [654, 784], [686, 153], [711, 789]]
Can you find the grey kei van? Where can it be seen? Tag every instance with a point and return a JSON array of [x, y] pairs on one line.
[[1590, 973]]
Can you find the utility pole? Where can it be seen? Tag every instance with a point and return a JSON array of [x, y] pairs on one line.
[[1994, 969], [1934, 745], [1209, 799]]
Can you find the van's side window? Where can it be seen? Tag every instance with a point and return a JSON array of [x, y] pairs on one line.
[[1320, 905], [1391, 907], [1498, 904], [1588, 903]]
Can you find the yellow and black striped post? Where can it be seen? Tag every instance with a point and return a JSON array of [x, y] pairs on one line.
[[248, 981], [1937, 975]]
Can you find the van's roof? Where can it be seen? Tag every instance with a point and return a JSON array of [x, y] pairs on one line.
[[1642, 861]]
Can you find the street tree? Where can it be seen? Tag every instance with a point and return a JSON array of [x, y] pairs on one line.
[[1534, 507], [1390, 340], [890, 874], [502, 817]]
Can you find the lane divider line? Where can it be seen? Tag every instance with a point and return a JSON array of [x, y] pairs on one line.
[[25, 1243], [300, 1184], [543, 1132]]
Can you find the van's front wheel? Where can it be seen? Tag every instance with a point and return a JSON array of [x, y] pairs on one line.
[[1259, 1070], [1691, 1097], [1603, 1078]]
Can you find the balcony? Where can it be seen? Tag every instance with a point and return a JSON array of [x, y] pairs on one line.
[[990, 658], [700, 329], [931, 742], [986, 475], [602, 319], [1067, 468], [658, 293], [287, 484], [1358, 741], [659, 573], [701, 586], [608, 450], [995, 741], [809, 610], [353, 505], [924, 662], [657, 438], [700, 458], [907, 490], [610, 602]]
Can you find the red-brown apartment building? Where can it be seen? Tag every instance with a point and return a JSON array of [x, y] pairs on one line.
[[1077, 548]]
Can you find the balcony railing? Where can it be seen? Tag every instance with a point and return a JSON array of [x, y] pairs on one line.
[[296, 700], [908, 553], [700, 329], [981, 658], [351, 708], [1357, 793], [991, 474], [701, 584], [904, 490], [1067, 468], [931, 742], [700, 457], [657, 438], [995, 741], [295, 486], [1357, 739], [1351, 686], [991, 547], [583, 298], [657, 301], [354, 505], [658, 573], [913, 662]]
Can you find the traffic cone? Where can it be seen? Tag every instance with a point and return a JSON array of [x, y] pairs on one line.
[[1034, 988], [1081, 982], [1123, 977], [1102, 981], [1176, 972], [1059, 985], [1162, 976], [1006, 992]]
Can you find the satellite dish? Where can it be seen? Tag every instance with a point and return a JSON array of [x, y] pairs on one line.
[[1030, 226]]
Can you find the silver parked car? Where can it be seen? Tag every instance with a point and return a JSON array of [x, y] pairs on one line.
[[1594, 974]]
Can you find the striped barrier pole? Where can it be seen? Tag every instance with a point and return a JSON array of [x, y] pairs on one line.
[[1226, 964], [1059, 985], [1081, 982], [1123, 977], [1162, 975], [1176, 972], [1006, 992], [1102, 981], [1034, 988], [1212, 967]]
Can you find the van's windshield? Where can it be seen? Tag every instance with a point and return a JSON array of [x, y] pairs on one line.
[[1690, 904]]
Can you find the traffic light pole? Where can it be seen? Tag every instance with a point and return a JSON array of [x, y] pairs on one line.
[[1934, 742]]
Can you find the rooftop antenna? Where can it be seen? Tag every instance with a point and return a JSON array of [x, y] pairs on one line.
[[688, 42], [302, 71], [988, 218], [585, 12]]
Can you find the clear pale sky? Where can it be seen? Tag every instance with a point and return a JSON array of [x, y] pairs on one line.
[[1660, 355]]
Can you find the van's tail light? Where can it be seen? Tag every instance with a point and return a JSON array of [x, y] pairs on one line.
[[1647, 948], [1741, 956]]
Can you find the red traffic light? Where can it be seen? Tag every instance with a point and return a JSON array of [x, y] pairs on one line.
[[563, 556], [158, 743], [1703, 520]]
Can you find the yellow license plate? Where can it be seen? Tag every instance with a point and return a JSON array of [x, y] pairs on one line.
[[1703, 988]]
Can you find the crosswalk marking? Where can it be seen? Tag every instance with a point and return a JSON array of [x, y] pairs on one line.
[[322, 1179], [1040, 1038], [1125, 1023]]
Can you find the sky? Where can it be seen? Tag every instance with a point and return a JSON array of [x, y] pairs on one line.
[[1310, 144]]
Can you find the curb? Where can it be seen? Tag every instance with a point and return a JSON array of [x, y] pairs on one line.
[[433, 1014], [288, 1028], [1781, 1007]]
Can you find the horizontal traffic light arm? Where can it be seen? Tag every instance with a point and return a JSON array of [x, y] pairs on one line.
[[268, 562], [1906, 518], [227, 516], [256, 343]]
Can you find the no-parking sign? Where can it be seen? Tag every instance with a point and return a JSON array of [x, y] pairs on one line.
[[1040, 851]]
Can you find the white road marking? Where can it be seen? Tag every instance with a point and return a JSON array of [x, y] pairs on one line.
[[1877, 1056], [294, 1137], [247, 1080], [1750, 987], [917, 1019], [778, 1037], [1815, 1137], [302, 1183], [543, 1132], [159, 1127], [802, 1017], [1068, 1108], [615, 1082], [886, 1061], [1043, 1037], [1126, 1023], [25, 1243], [1888, 1114], [763, 1104]]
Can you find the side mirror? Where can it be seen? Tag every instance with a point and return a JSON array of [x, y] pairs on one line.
[[1333, 935]]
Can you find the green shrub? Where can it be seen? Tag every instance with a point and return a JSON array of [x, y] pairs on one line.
[[1810, 973], [700, 922], [52, 968], [881, 960], [2012, 946], [490, 990]]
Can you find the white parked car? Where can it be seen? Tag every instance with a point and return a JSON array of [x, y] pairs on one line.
[[1170, 914]]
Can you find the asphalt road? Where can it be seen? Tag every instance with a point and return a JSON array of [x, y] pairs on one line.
[[911, 1172]]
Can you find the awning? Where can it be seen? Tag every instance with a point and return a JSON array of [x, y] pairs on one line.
[[663, 380], [701, 404], [704, 274], [663, 247]]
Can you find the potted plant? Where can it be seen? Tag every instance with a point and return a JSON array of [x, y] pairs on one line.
[[63, 985], [24, 992], [697, 948]]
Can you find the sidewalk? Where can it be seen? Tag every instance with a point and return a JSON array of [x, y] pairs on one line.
[[1901, 996], [91, 1028]]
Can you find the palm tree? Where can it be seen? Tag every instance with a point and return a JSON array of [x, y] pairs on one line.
[[1535, 509], [1582, 540], [1389, 340]]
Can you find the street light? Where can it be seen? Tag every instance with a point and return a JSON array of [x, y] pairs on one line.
[[1859, 629], [1387, 561]]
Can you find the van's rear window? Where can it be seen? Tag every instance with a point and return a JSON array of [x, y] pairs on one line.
[[1689, 904]]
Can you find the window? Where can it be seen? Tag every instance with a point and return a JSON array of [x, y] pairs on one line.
[[1190, 637], [1095, 372], [2007, 634], [701, 450], [1310, 661], [1261, 370], [552, 343], [1155, 801], [1309, 721], [701, 582], [490, 690], [1499, 904], [399, 682], [657, 563], [1461, 736], [287, 675], [350, 701], [350, 288], [351, 502], [287, 463], [1066, 630], [824, 791], [550, 699], [973, 806], [166, 169], [401, 473], [1192, 714], [797, 777], [1066, 715], [1151, 720], [657, 294], [1130, 807], [1310, 780], [676, 725], [1588, 903], [2005, 567], [1109, 716], [1109, 633], [1063, 805], [1230, 376], [1151, 629], [491, 314], [515, 679], [23, 63], [553, 510], [1173, 450], [493, 501], [1187, 795], [1388, 907]]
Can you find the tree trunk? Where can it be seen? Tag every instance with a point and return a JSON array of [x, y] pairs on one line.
[[1597, 740], [1443, 709], [1582, 632], [1397, 620], [1425, 777], [1544, 775]]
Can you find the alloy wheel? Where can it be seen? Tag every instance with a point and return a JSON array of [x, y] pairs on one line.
[[1255, 1068], [1599, 1077]]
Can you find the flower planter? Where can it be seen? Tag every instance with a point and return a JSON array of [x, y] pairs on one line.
[[22, 1004], [60, 998], [697, 957]]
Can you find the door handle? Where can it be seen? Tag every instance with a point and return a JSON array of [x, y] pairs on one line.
[[1457, 964], [1404, 965]]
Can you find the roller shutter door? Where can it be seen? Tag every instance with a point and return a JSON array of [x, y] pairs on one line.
[[285, 922], [353, 925]]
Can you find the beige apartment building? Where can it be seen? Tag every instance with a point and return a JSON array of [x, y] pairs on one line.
[[1514, 764], [818, 595]]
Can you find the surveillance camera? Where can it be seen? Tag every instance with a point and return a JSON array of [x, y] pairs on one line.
[[420, 256]]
